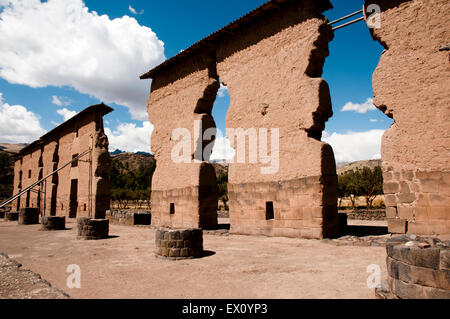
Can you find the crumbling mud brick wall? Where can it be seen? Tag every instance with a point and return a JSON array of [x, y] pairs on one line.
[[271, 60], [272, 69], [184, 194], [411, 85], [78, 190]]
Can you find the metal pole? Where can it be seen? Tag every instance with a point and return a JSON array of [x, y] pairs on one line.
[[346, 17], [348, 23]]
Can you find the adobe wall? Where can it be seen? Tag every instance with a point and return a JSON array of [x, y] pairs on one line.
[[411, 85], [272, 70], [181, 95], [57, 151]]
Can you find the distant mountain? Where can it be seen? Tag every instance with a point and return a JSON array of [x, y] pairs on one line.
[[11, 148], [344, 167], [134, 160], [116, 152]]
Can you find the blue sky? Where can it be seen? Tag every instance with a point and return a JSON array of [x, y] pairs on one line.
[[59, 57]]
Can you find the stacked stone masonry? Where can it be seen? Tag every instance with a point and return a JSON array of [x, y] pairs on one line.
[[50, 223], [92, 229], [418, 269], [411, 86], [179, 244], [289, 41], [128, 218], [11, 216], [28, 216]]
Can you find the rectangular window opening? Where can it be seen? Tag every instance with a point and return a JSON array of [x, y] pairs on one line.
[[29, 173], [172, 208], [269, 211], [74, 163]]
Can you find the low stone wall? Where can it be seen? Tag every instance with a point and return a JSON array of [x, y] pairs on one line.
[[53, 223], [92, 229], [29, 216], [11, 216], [179, 244], [128, 218], [418, 268], [375, 214]]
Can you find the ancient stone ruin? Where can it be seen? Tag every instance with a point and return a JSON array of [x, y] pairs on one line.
[[271, 60], [82, 188], [411, 85]]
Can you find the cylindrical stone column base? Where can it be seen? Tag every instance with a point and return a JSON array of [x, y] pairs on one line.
[[29, 216], [179, 244], [50, 223], [11, 216], [418, 268], [92, 229]]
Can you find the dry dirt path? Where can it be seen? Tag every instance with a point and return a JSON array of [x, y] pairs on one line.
[[241, 266]]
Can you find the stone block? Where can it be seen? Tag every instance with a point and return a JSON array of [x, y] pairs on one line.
[[406, 198], [174, 252], [391, 188], [397, 226], [444, 259], [390, 200], [405, 212]]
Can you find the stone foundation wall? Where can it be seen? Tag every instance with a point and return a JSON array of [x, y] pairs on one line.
[[298, 207], [418, 202], [128, 218], [419, 269], [376, 214]]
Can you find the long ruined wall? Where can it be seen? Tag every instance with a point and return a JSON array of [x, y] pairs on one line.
[[58, 150], [272, 70], [184, 194], [411, 85]]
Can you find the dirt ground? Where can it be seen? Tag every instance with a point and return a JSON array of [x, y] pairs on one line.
[[243, 267]]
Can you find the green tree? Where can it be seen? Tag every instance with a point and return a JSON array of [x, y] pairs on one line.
[[365, 182]]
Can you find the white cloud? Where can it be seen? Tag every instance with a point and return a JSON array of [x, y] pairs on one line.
[[60, 43], [373, 120], [61, 100], [222, 150], [222, 91], [17, 124], [133, 10], [360, 108], [129, 137], [355, 146], [66, 114]]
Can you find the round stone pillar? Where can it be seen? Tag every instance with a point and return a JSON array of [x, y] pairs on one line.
[[29, 216], [92, 229], [50, 223], [179, 244]]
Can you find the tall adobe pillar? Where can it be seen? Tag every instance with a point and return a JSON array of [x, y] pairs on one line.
[[184, 193], [411, 85], [272, 68]]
